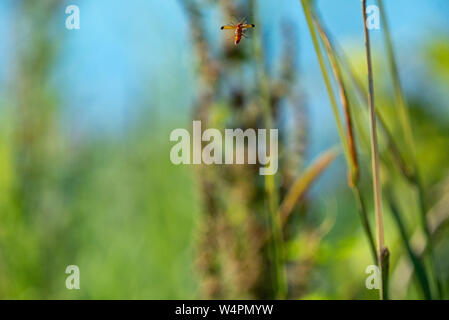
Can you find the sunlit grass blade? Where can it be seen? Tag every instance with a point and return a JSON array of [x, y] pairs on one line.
[[417, 264], [308, 14], [354, 176], [304, 182], [343, 99]]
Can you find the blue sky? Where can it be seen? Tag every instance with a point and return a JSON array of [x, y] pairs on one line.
[[136, 53]]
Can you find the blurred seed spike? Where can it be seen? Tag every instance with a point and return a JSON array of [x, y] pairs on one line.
[[284, 90], [37, 155], [209, 73], [280, 286], [231, 262], [290, 62]]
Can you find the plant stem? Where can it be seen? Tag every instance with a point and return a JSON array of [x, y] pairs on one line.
[[280, 283], [308, 15], [417, 264], [303, 183], [397, 156], [405, 123], [382, 251], [343, 98], [365, 222], [404, 118], [354, 177], [427, 233]]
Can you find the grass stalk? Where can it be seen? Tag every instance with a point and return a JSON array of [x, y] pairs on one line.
[[365, 222], [403, 115], [428, 235], [308, 14], [343, 99], [277, 242], [405, 123], [397, 156], [303, 183], [354, 177], [382, 251], [417, 264]]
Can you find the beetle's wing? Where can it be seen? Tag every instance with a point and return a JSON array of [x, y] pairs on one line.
[[228, 27]]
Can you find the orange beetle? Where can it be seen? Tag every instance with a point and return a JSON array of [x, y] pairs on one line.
[[239, 30]]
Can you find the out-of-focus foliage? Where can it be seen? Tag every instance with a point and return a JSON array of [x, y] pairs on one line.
[[116, 208], [140, 227]]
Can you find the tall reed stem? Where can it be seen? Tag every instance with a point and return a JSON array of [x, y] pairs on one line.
[[382, 251]]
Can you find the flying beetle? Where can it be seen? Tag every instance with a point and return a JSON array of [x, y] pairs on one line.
[[239, 32]]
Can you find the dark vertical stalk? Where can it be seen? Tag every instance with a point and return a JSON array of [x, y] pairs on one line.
[[382, 251]]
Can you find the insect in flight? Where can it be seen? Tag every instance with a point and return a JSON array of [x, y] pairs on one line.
[[239, 32]]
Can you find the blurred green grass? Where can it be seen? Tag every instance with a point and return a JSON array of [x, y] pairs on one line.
[[127, 219]]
